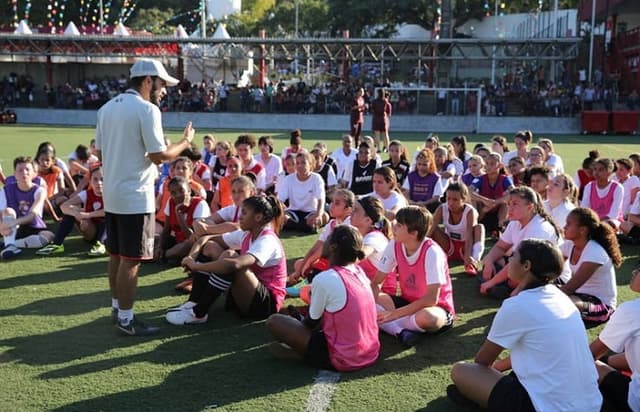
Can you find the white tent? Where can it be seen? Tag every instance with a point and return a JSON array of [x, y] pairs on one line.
[[121, 30], [411, 31], [221, 32], [180, 32], [23, 28], [71, 29]]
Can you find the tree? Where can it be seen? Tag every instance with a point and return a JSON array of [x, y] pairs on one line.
[[153, 20]]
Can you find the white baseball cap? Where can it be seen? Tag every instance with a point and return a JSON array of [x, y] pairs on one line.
[[151, 67]]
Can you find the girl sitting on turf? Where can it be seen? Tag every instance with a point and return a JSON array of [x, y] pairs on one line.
[[475, 166], [444, 166], [604, 195], [54, 177], [272, 163], [340, 209], [425, 304], [621, 335], [552, 367], [222, 195], [223, 221], [368, 217], [629, 182], [528, 220], [224, 151], [386, 190], [551, 159], [562, 196], [398, 161], [517, 170], [490, 192], [462, 238], [423, 186], [254, 279], [584, 175], [85, 210], [592, 251], [341, 332], [305, 192], [181, 212]]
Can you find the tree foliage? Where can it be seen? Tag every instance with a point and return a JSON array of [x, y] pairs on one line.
[[154, 21]]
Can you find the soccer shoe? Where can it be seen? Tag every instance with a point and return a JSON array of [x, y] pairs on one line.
[[185, 317], [136, 328], [185, 306], [294, 291], [409, 338], [10, 252], [50, 249], [97, 250]]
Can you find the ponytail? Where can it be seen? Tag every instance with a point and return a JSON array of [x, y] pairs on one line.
[[600, 232], [375, 211], [271, 209]]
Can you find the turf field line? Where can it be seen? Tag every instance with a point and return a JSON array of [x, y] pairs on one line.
[[322, 391]]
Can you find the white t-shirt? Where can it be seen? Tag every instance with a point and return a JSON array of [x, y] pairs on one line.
[[128, 128], [537, 228], [342, 160], [622, 334], [549, 350], [508, 156], [329, 292], [273, 167], [201, 211], [635, 206], [554, 162], [618, 195], [602, 284], [435, 262], [266, 248], [559, 213], [304, 196], [229, 213], [62, 165], [328, 228], [629, 185], [378, 242], [394, 200]]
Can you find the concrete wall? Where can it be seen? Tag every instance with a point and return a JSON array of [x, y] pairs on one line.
[[403, 123]]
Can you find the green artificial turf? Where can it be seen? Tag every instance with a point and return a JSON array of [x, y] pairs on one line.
[[58, 350]]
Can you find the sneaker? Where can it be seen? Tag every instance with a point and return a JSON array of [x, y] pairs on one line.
[[294, 291], [98, 249], [185, 306], [10, 252], [185, 317], [136, 328], [409, 338], [50, 249]]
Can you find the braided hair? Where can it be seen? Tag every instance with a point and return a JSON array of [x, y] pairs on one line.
[[271, 209]]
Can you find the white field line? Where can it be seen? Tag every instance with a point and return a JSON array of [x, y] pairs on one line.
[[322, 391]]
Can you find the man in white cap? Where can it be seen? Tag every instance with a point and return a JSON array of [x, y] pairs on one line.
[[130, 143]]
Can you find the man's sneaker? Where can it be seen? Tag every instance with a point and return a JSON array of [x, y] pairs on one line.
[[10, 252], [50, 249], [409, 338], [186, 305], [185, 317], [98, 249], [136, 328]]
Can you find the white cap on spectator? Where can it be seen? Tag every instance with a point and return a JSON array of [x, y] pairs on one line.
[[151, 67]]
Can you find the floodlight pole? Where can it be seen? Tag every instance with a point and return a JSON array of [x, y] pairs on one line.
[[295, 35], [203, 19], [493, 54], [593, 24], [101, 7]]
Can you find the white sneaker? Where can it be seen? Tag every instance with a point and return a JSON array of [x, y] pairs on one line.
[[186, 305], [185, 317]]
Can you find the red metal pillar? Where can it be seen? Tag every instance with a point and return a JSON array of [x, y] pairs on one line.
[[262, 64], [346, 63]]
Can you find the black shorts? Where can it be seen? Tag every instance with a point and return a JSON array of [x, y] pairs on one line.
[[399, 301], [297, 220], [262, 306], [317, 354], [130, 236], [25, 231], [510, 395], [615, 390]]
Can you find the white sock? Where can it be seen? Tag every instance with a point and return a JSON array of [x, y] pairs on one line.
[[125, 316], [114, 303], [32, 242], [409, 322], [476, 250], [393, 327]]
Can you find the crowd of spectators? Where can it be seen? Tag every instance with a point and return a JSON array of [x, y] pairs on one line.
[[512, 95]]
